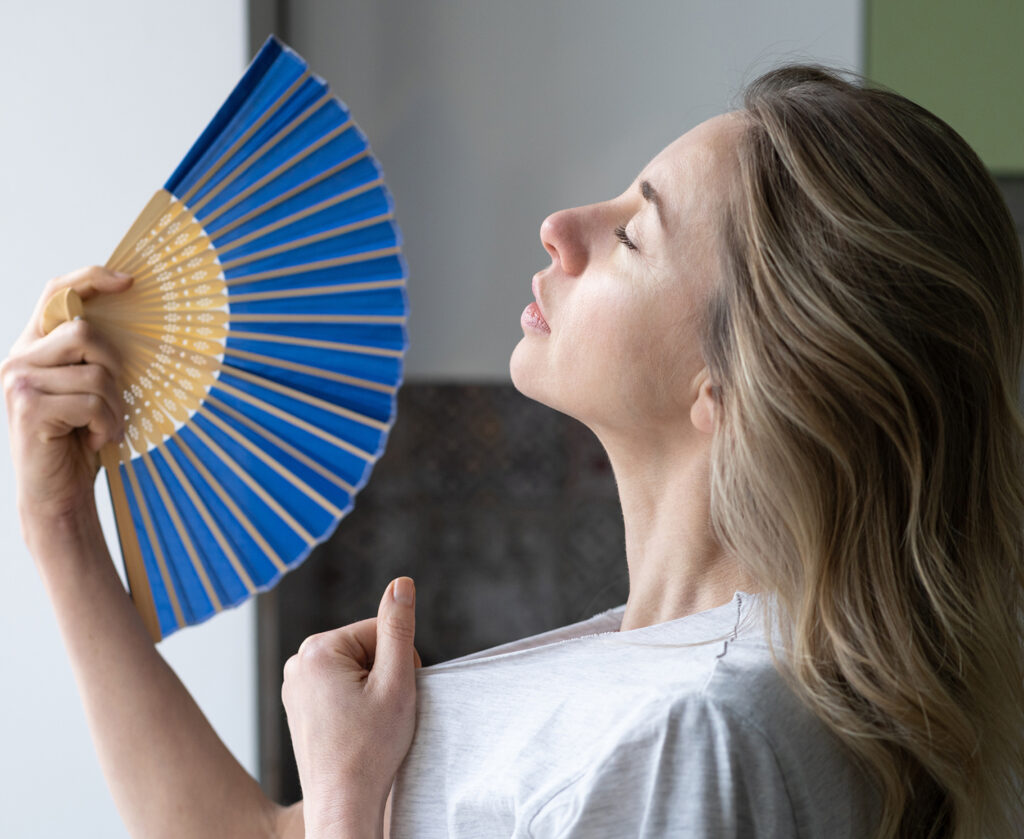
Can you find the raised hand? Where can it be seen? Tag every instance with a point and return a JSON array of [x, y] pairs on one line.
[[350, 695], [63, 404]]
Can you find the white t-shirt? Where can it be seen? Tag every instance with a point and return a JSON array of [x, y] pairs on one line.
[[586, 731]]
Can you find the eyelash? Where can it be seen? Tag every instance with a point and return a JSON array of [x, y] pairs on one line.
[[620, 234]]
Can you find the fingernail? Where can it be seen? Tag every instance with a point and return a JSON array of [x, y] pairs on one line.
[[403, 591], [121, 275]]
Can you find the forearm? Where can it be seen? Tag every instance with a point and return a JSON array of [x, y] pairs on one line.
[[168, 771]]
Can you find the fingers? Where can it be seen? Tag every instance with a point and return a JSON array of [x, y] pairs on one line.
[[74, 342], [58, 415], [73, 362], [352, 643], [84, 380], [87, 282], [395, 656], [381, 645]]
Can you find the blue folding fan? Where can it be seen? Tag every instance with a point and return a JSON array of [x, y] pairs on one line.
[[263, 340]]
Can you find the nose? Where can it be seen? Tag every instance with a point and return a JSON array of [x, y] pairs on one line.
[[563, 237]]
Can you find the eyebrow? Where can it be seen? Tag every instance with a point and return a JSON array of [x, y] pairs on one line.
[[651, 194]]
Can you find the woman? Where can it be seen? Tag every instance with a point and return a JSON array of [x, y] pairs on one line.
[[798, 335]]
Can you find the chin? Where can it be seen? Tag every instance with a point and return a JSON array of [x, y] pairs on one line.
[[518, 369], [534, 379], [527, 376]]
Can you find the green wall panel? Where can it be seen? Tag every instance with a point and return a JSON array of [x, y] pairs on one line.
[[962, 60]]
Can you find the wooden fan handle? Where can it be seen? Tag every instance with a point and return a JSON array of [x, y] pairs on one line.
[[65, 305]]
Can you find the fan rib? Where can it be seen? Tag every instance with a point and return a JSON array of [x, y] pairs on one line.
[[158, 231], [282, 132], [134, 565], [185, 235], [379, 319], [227, 155], [189, 259], [295, 367], [154, 543], [298, 422], [314, 291], [307, 240], [244, 476], [270, 337], [229, 502], [313, 209], [278, 467], [282, 444], [269, 384], [179, 526], [284, 196], [364, 256], [152, 338], [161, 425], [154, 343], [209, 520], [145, 221], [155, 412], [271, 175]]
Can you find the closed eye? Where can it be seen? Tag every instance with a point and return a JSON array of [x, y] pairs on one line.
[[622, 236]]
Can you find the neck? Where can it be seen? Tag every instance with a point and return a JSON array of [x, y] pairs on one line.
[[676, 566]]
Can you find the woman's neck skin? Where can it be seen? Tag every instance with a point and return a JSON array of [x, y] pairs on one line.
[[676, 565]]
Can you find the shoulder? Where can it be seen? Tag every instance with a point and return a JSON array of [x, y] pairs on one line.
[[736, 755], [754, 706], [684, 765]]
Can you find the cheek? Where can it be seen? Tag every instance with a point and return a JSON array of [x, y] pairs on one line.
[[648, 356], [609, 353]]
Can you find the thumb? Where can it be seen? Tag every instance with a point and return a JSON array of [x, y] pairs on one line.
[[393, 660]]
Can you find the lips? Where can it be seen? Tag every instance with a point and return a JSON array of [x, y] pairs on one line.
[[535, 287], [532, 318]]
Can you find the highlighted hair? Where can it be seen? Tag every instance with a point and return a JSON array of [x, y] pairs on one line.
[[868, 466]]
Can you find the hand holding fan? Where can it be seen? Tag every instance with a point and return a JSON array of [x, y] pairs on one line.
[[263, 340]]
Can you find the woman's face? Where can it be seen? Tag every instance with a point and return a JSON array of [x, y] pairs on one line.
[[612, 339]]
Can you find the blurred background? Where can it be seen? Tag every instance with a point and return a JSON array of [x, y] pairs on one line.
[[486, 116]]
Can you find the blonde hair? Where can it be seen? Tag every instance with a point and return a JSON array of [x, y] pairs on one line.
[[866, 348]]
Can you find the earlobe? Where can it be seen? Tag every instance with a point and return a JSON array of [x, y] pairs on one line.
[[704, 407]]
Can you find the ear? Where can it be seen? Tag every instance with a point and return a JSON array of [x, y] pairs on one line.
[[704, 408]]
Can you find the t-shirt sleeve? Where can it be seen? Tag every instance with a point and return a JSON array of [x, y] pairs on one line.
[[694, 770]]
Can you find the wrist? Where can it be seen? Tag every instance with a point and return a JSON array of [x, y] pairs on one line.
[[66, 533], [358, 818]]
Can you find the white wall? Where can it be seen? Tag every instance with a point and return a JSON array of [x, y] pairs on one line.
[[98, 102], [487, 116]]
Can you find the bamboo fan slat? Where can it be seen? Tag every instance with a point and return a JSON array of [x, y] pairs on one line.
[[263, 337]]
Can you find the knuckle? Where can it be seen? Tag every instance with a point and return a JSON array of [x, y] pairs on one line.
[[288, 671], [21, 392], [80, 330], [94, 403], [17, 382], [95, 377], [315, 649]]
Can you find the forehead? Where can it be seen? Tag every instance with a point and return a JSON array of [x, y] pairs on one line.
[[694, 173]]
